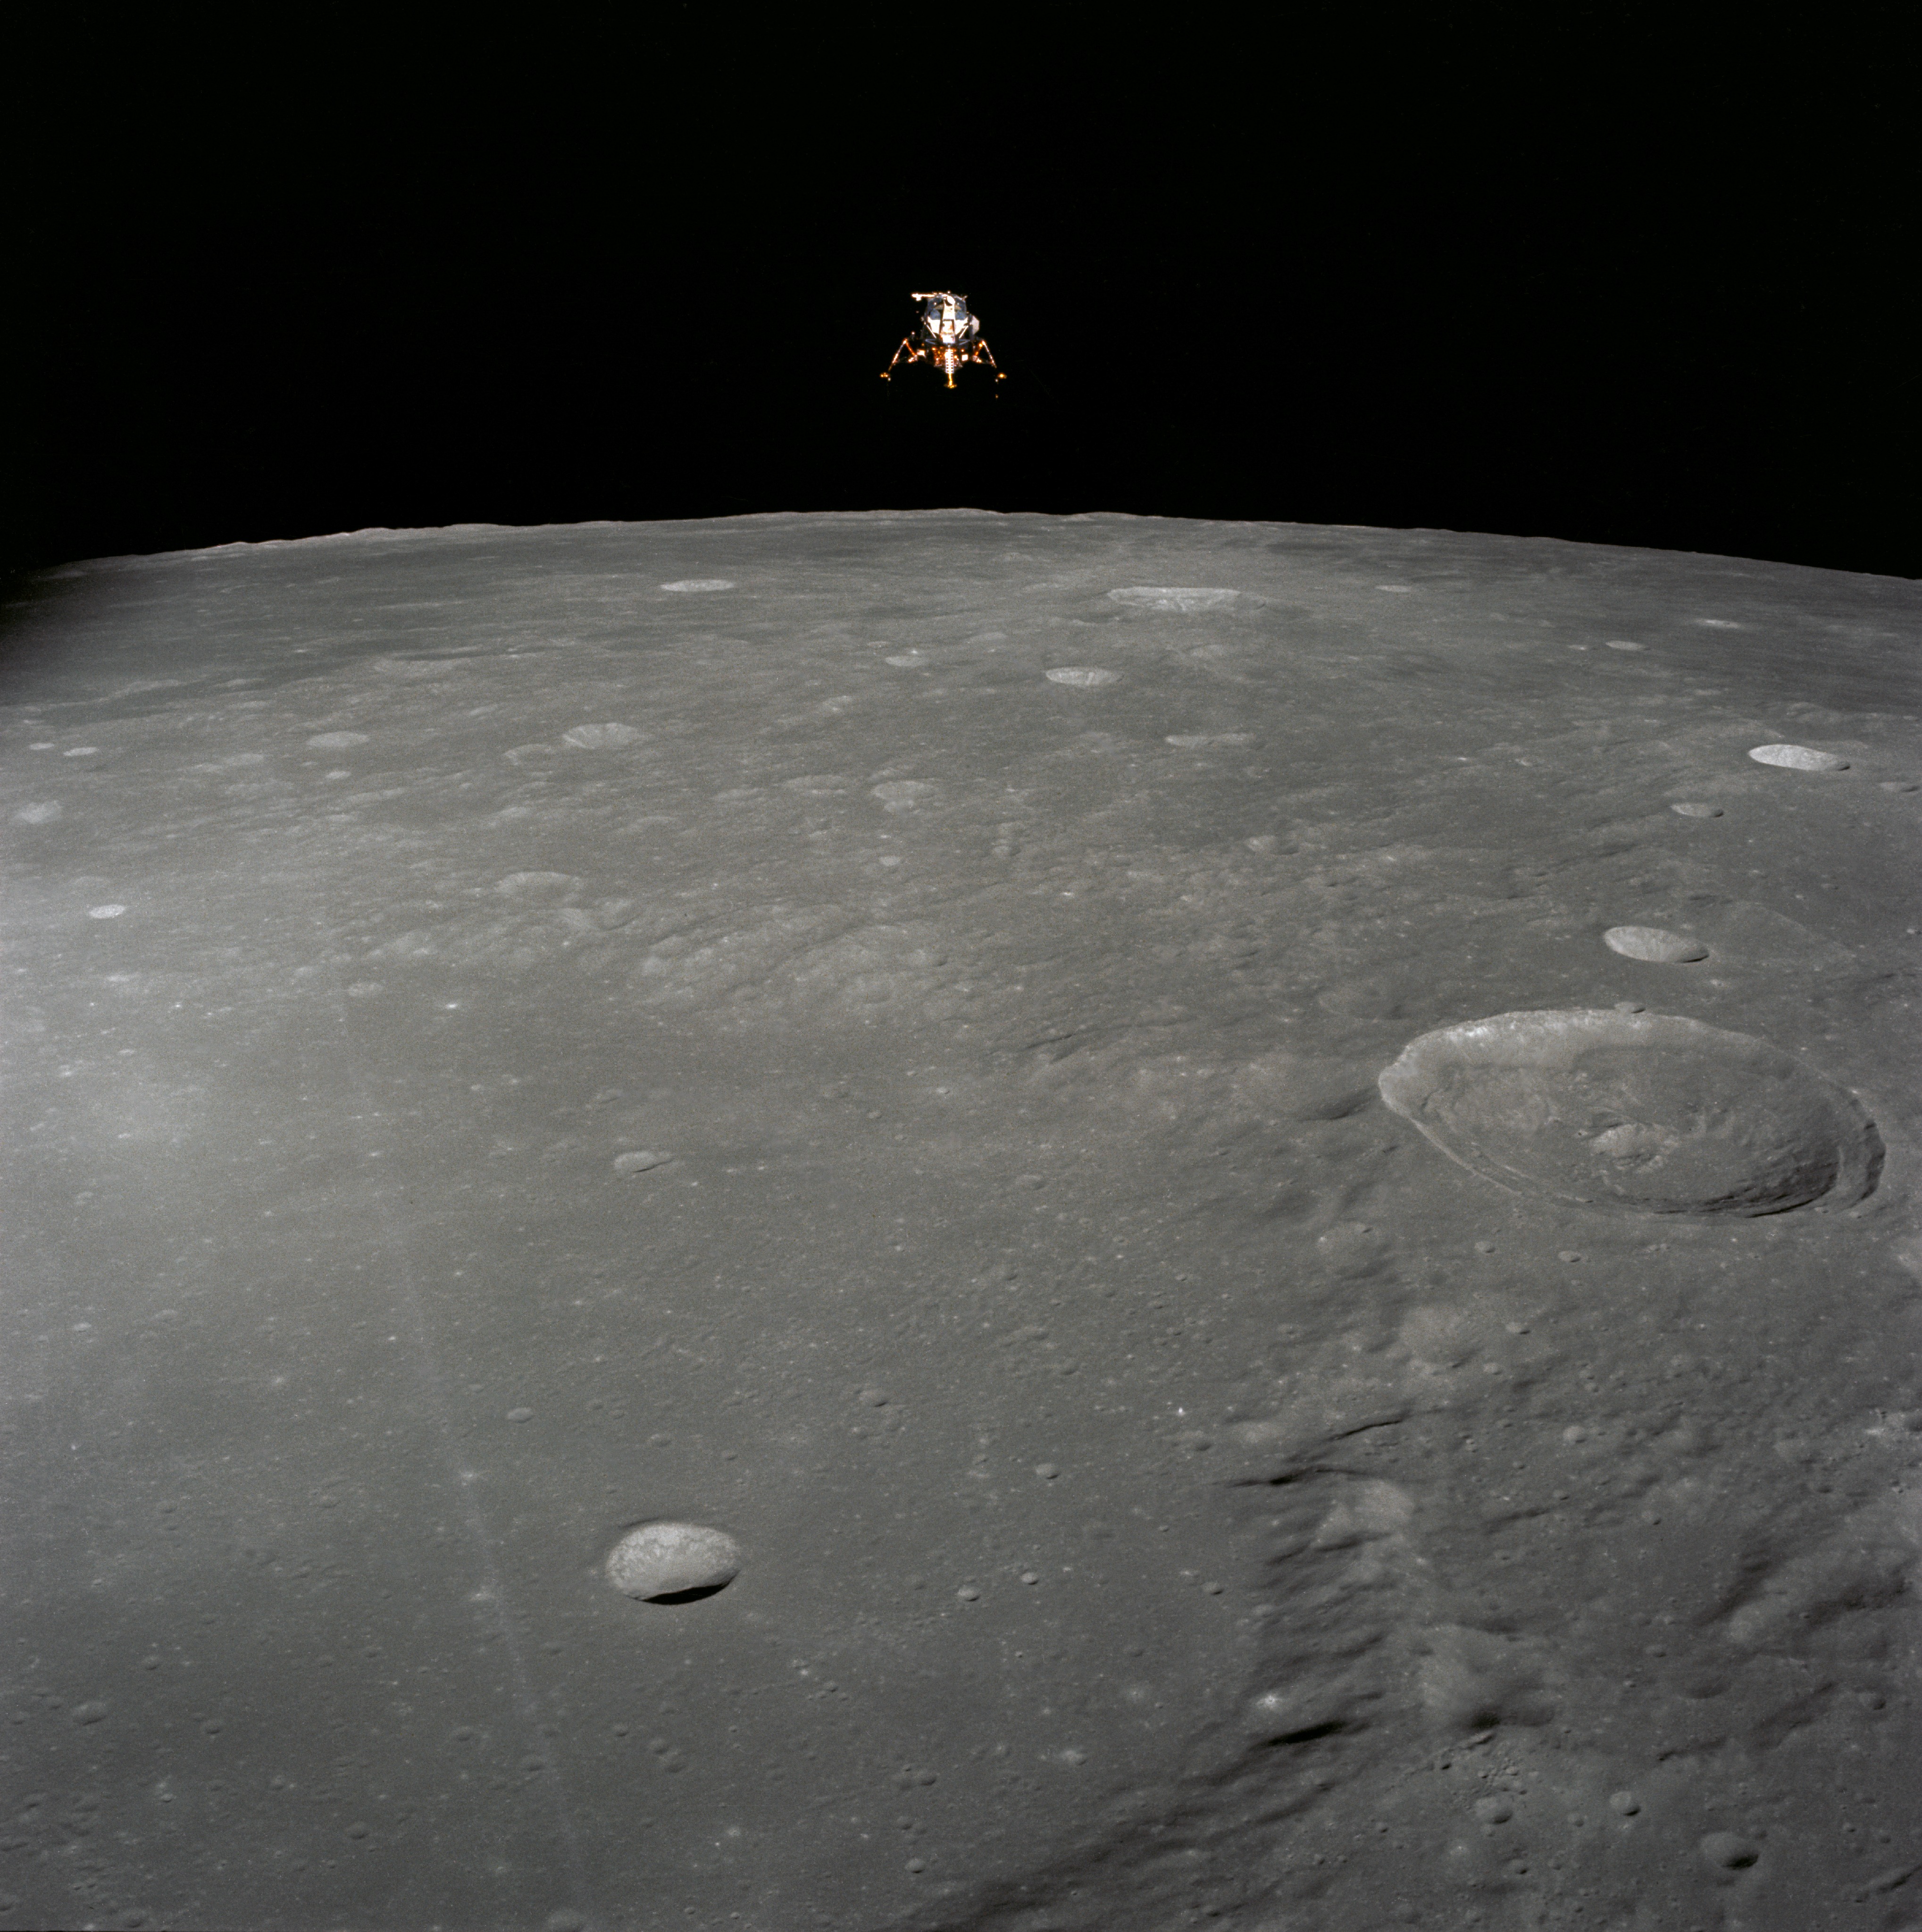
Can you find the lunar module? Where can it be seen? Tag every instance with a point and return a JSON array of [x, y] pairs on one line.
[[949, 338]]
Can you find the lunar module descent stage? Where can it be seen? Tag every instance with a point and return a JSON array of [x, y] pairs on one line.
[[949, 337]]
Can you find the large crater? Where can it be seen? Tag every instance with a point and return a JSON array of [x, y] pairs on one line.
[[1645, 1112]]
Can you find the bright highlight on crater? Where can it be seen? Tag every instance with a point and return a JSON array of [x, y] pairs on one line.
[[1798, 758], [1651, 942], [659, 1560]]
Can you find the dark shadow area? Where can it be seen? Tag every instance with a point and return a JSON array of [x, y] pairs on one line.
[[1612, 298]]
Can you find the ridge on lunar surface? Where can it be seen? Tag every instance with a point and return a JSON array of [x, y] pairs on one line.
[[515, 1036]]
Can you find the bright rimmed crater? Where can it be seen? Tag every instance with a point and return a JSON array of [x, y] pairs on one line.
[[1645, 1112]]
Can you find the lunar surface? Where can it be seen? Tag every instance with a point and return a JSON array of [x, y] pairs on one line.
[[951, 1223]]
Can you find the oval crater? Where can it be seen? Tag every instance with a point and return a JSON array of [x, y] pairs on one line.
[[1643, 1113]]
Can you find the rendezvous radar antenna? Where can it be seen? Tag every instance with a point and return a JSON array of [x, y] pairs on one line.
[[949, 338]]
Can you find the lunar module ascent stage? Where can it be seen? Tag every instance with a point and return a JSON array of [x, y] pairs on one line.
[[949, 338]]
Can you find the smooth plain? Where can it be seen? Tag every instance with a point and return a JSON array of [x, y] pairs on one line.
[[877, 1032]]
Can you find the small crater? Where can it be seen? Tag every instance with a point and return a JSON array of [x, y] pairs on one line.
[[1729, 1851], [1798, 758], [1651, 942], [673, 1562]]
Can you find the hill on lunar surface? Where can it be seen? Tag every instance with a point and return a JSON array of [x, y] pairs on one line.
[[1241, 1195]]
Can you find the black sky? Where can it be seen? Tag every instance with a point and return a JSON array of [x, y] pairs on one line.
[[1543, 271]]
